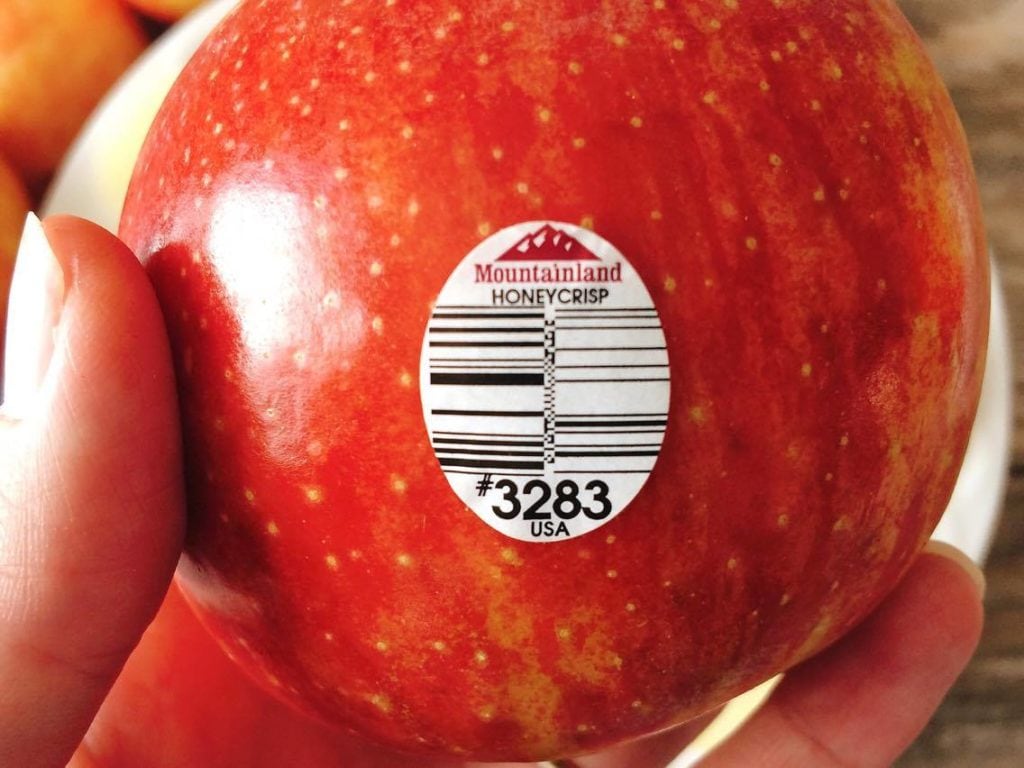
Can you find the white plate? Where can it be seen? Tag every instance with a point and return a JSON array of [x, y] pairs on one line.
[[94, 178]]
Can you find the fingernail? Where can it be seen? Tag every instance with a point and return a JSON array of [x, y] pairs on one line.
[[948, 551], [33, 313]]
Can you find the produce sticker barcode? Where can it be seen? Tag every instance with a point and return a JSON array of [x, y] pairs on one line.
[[545, 381]]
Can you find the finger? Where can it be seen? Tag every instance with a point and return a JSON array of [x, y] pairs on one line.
[[862, 702], [657, 751], [91, 499]]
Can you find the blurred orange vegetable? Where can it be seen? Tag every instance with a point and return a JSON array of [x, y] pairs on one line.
[[57, 59], [165, 10]]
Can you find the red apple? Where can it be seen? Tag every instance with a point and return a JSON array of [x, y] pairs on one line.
[[391, 241], [57, 58]]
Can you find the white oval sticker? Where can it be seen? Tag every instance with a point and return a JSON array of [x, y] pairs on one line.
[[545, 381]]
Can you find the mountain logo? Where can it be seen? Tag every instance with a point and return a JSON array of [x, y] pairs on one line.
[[548, 244]]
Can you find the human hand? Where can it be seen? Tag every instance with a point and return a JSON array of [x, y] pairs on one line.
[[91, 525], [91, 499]]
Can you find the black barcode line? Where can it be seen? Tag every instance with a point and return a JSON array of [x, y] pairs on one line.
[[491, 464], [609, 327], [644, 365], [611, 431], [611, 349], [619, 423], [486, 434], [577, 310], [659, 415], [471, 367], [467, 412], [485, 344], [488, 316], [609, 316], [457, 441], [609, 445], [534, 360], [485, 363], [487, 379], [496, 331], [615, 454]]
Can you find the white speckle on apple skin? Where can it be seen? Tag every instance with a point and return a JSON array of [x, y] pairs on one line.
[[381, 702]]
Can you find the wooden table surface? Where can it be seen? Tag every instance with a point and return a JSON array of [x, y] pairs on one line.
[[978, 45]]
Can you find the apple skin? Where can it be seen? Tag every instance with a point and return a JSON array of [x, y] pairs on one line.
[[792, 184], [232, 723], [57, 59]]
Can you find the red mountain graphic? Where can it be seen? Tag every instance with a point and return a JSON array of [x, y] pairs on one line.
[[548, 244]]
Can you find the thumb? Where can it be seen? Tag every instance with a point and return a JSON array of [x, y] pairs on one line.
[[91, 497]]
